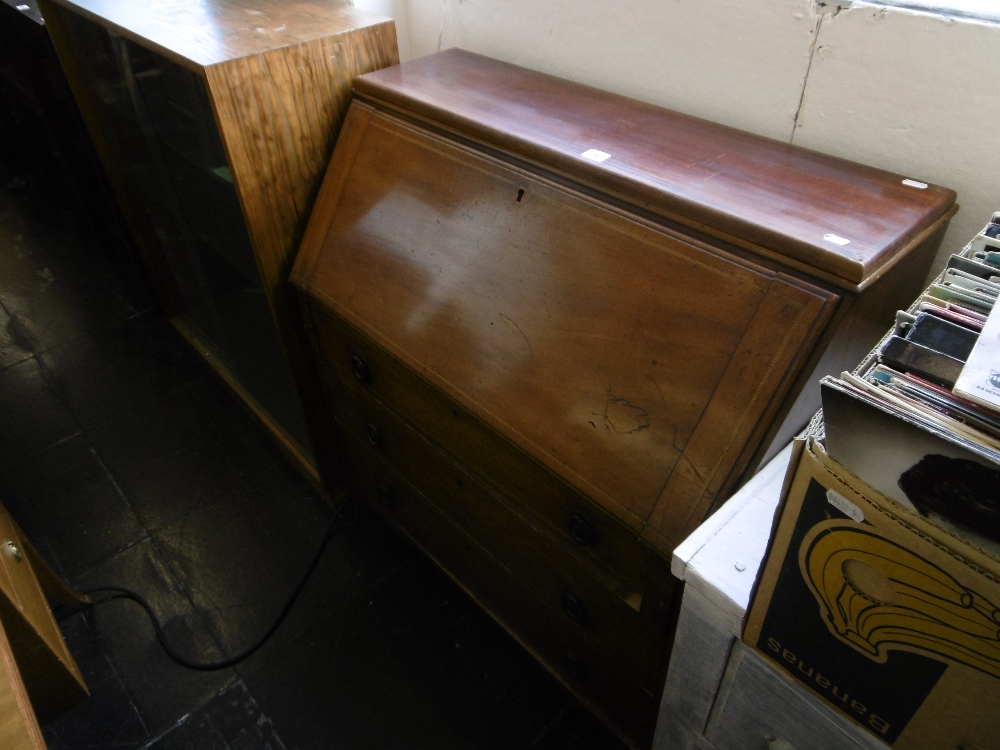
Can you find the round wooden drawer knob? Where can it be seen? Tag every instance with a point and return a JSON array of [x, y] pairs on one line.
[[581, 530], [574, 607], [575, 666], [385, 495], [373, 434], [359, 366]]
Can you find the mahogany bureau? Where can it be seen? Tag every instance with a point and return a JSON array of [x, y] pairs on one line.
[[556, 326]]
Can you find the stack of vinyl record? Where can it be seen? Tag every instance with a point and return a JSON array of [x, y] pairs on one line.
[[919, 420]]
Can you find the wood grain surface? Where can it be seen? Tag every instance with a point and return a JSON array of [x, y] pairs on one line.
[[19, 728], [50, 675], [279, 114], [528, 550], [612, 554], [278, 82], [199, 33], [760, 193], [596, 679], [583, 336], [560, 365]]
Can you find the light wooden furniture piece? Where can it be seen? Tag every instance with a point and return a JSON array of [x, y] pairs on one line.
[[556, 326], [214, 121], [38, 677], [719, 694]]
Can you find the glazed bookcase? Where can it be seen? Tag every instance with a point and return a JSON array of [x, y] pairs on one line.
[[214, 120]]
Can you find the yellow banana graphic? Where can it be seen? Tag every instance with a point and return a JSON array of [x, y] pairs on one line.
[[876, 596]]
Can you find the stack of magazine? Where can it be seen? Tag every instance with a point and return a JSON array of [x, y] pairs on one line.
[[919, 420]]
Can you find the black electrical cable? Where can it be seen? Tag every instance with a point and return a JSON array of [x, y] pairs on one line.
[[120, 592]]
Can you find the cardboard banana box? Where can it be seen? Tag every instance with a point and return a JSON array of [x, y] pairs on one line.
[[890, 619]]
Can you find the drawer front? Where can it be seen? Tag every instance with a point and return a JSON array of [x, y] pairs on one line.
[[574, 658], [636, 639], [790, 715], [364, 367]]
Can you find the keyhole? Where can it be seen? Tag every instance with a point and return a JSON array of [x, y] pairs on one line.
[[520, 194]]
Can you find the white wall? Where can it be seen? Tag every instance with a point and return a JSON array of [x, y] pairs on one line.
[[902, 90], [913, 93], [739, 62], [396, 10]]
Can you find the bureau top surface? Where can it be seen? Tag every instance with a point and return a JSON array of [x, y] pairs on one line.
[[208, 32], [790, 201]]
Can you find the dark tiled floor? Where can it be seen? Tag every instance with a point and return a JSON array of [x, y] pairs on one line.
[[127, 463]]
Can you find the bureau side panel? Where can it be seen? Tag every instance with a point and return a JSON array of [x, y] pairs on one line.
[[279, 114]]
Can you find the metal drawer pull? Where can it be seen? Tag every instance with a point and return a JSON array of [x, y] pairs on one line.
[[373, 435], [359, 366], [575, 666], [13, 551], [581, 529], [574, 607], [385, 495]]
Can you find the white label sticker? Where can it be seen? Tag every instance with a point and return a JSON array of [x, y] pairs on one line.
[[22, 7], [845, 506], [914, 183], [836, 239], [595, 155]]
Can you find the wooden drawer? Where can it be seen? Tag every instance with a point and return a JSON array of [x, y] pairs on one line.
[[634, 636], [360, 364], [576, 659]]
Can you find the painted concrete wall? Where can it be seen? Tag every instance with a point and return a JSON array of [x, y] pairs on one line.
[[902, 90], [396, 10], [733, 61], [911, 92]]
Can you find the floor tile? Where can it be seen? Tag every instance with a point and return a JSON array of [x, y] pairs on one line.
[[162, 690], [355, 687], [84, 643], [230, 721], [128, 464], [14, 347], [57, 310], [167, 456], [240, 557], [34, 417], [53, 285], [354, 563], [64, 499], [365, 677], [108, 720], [117, 370]]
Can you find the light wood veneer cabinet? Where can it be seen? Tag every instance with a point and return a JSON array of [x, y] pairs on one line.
[[557, 326], [38, 677], [215, 120]]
